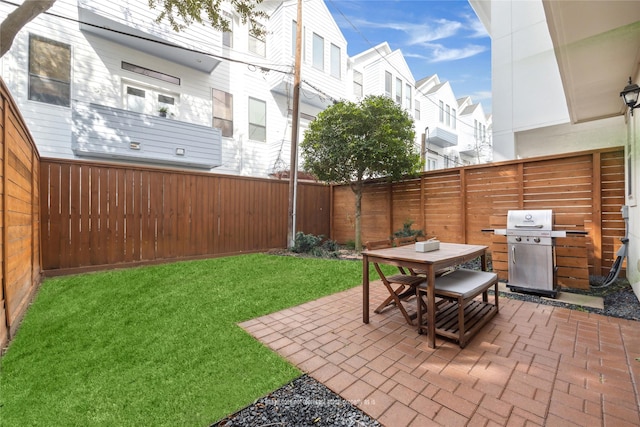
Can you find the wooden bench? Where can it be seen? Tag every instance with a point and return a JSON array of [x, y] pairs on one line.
[[461, 316]]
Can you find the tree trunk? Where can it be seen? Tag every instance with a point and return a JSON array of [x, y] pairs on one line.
[[17, 19], [358, 237]]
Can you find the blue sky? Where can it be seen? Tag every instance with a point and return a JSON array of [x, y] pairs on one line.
[[435, 36]]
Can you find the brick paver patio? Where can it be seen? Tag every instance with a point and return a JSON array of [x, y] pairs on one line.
[[532, 365]]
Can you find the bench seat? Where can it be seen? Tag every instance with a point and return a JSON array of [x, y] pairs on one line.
[[462, 317]]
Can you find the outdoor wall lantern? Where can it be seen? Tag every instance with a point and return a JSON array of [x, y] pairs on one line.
[[630, 95]]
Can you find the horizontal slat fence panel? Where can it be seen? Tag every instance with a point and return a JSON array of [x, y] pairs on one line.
[[612, 193], [343, 217], [97, 214], [406, 204], [584, 190], [20, 265], [375, 211], [443, 206]]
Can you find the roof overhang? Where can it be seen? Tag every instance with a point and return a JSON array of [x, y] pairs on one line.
[[597, 46], [125, 35]]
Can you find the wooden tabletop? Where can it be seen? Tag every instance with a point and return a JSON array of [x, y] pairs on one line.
[[449, 253]]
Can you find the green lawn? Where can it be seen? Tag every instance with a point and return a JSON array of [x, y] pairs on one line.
[[158, 345]]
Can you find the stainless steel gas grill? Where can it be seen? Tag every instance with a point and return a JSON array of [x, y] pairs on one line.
[[531, 246]]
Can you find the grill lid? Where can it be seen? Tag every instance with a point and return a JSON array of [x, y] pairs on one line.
[[530, 222]]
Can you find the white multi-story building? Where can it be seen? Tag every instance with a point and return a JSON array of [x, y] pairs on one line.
[[438, 123], [449, 132], [91, 78], [474, 141], [104, 80], [558, 69]]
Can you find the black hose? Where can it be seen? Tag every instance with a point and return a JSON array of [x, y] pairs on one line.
[[616, 267]]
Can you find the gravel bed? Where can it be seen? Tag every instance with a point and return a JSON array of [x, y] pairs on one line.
[[619, 299], [306, 402], [303, 402]]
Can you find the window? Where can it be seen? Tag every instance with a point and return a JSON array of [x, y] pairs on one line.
[[441, 112], [335, 61], [135, 99], [49, 71], [398, 91], [223, 112], [165, 101], [294, 35], [150, 73], [257, 120], [417, 111], [475, 130], [318, 52], [148, 99], [357, 84], [227, 39], [388, 79], [454, 118], [258, 45], [227, 36], [448, 115], [407, 96]]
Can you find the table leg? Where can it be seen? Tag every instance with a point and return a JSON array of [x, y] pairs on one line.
[[431, 307], [365, 288]]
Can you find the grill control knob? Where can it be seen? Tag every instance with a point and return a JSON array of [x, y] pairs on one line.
[[537, 240], [518, 239]]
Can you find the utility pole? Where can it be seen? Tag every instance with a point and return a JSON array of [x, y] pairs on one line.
[[295, 115]]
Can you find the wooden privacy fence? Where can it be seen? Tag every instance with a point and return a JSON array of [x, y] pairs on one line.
[[584, 190], [20, 265], [67, 216], [96, 214]]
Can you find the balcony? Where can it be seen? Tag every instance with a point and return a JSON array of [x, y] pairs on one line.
[[110, 133], [98, 24], [469, 150], [443, 137], [283, 85]]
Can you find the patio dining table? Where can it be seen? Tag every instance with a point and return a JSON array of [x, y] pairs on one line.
[[448, 255]]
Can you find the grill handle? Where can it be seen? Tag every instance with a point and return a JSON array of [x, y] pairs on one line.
[[529, 226], [513, 254]]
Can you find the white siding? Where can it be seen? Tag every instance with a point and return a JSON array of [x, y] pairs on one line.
[[97, 75]]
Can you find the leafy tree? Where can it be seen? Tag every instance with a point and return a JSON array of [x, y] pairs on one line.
[[179, 13], [350, 142]]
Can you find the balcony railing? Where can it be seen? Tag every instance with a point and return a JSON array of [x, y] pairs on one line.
[[115, 134], [443, 137]]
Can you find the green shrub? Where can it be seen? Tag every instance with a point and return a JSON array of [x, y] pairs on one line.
[[330, 245], [304, 243], [406, 230], [315, 246]]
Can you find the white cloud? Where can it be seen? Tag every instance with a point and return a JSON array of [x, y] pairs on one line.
[[476, 27], [440, 53], [418, 33]]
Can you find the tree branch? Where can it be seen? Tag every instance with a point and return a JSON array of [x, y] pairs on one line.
[[17, 19]]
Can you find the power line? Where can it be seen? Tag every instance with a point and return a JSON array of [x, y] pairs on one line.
[[262, 67]]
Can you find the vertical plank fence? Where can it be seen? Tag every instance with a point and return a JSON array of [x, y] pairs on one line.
[[99, 215], [584, 190]]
